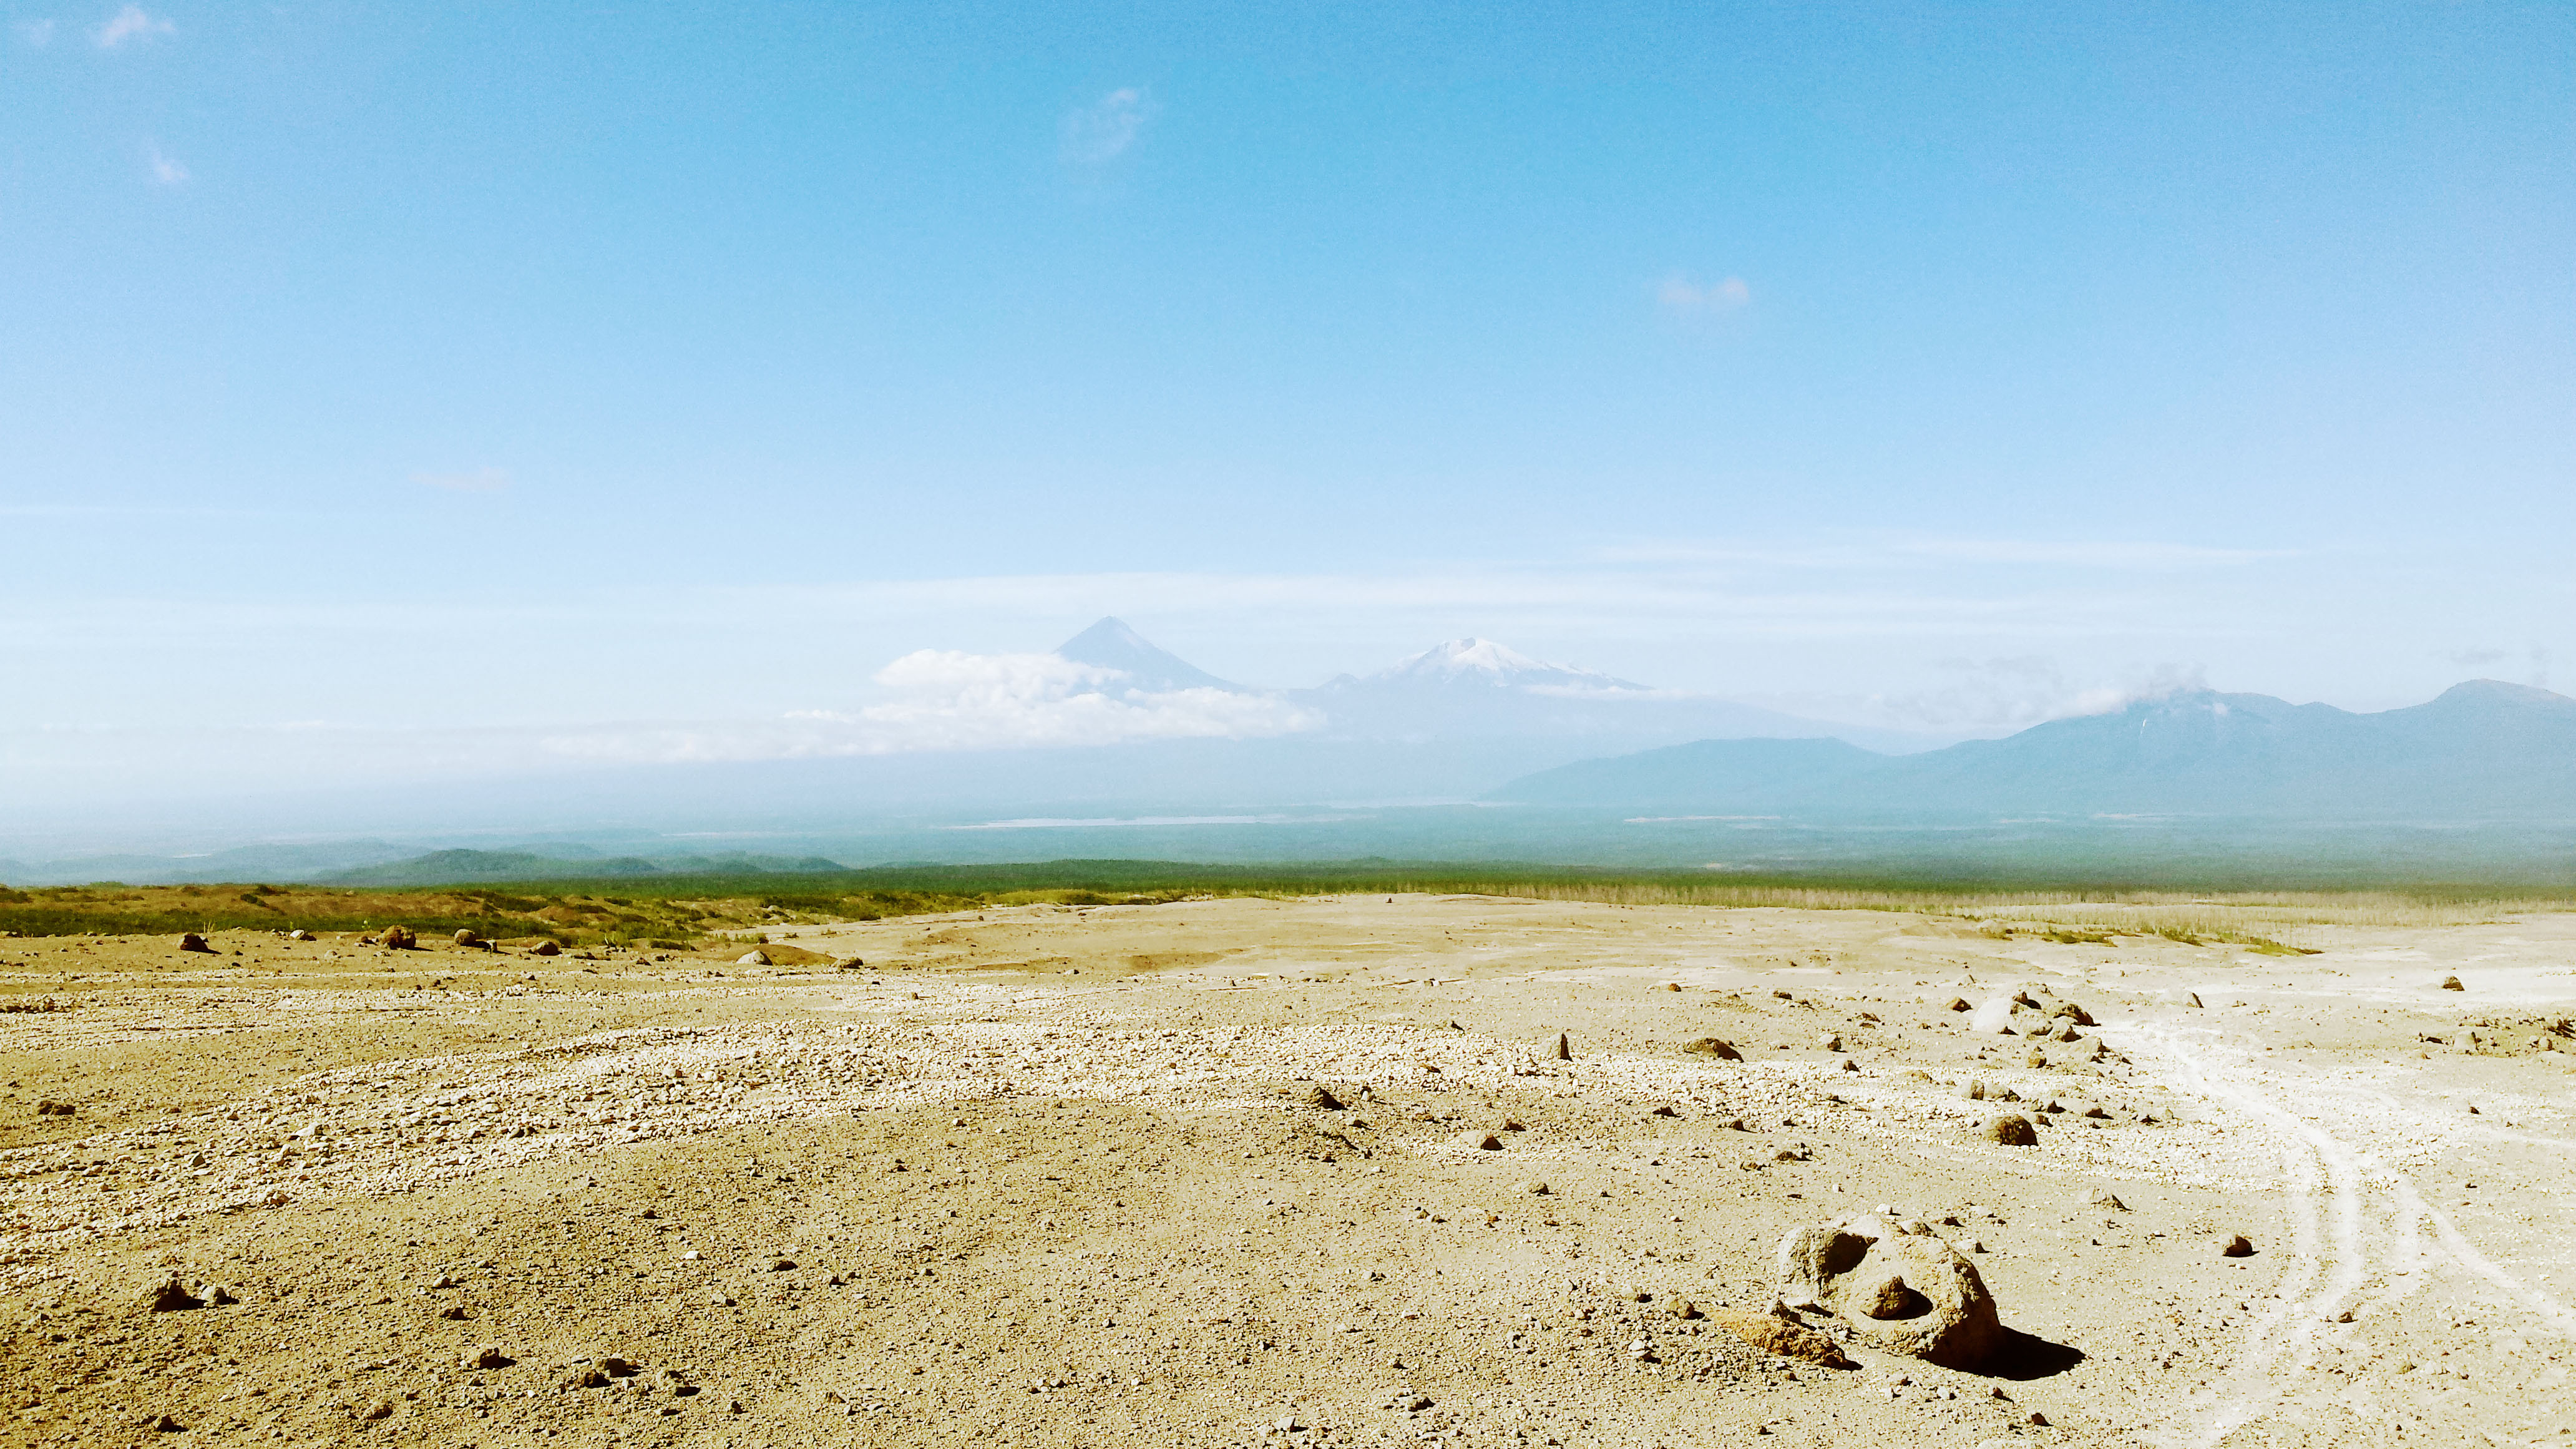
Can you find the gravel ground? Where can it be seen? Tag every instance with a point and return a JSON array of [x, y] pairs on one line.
[[1063, 1177]]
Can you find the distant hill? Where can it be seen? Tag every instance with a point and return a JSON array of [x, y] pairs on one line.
[[467, 867], [463, 867], [2483, 750]]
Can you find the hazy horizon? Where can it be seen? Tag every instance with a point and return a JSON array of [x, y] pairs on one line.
[[405, 396]]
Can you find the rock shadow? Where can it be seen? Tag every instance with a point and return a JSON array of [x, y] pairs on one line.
[[2024, 1357]]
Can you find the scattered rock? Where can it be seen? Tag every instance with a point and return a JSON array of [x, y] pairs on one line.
[[489, 1356], [2012, 1129], [1481, 1141], [545, 948], [1321, 1097], [1975, 1091], [2105, 1198], [2237, 1246], [191, 941], [2073, 1013], [1993, 1017], [588, 1377], [172, 1297], [1829, 1042], [397, 938], [2452, 983], [467, 938], [2035, 1060], [1847, 1065], [50, 1108], [1709, 1046], [1684, 1308], [163, 1424], [1535, 1188], [2193, 999], [1905, 1293], [217, 1296], [1779, 1332], [783, 1265], [752, 958], [1564, 1048], [1895, 1298], [380, 1409], [299, 934], [1957, 1003]]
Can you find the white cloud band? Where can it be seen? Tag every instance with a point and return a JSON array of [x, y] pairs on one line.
[[948, 700]]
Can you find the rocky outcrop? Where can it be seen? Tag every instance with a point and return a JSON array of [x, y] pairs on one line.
[[1901, 1291]]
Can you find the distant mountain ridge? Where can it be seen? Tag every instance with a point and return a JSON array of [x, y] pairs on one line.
[[469, 867], [2481, 750]]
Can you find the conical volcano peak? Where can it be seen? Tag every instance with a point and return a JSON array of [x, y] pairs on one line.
[[1110, 644]]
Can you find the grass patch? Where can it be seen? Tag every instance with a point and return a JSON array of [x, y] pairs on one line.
[[683, 910]]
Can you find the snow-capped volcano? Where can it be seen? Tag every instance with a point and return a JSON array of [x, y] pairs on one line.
[[1469, 689], [1479, 689], [1483, 661]]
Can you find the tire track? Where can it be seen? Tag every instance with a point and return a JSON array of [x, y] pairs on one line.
[[2340, 1247], [2328, 1260]]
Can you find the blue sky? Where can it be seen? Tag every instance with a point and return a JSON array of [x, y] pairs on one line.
[[488, 365]]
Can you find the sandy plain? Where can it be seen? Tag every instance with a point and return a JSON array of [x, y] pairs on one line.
[[1056, 1176]]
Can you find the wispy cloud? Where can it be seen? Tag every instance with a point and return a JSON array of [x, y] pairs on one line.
[[1995, 696], [946, 700], [36, 32], [1680, 295], [2089, 553], [1879, 554], [130, 24], [1098, 133], [472, 480], [166, 170]]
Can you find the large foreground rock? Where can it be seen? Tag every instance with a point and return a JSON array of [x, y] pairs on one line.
[[1904, 1293]]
